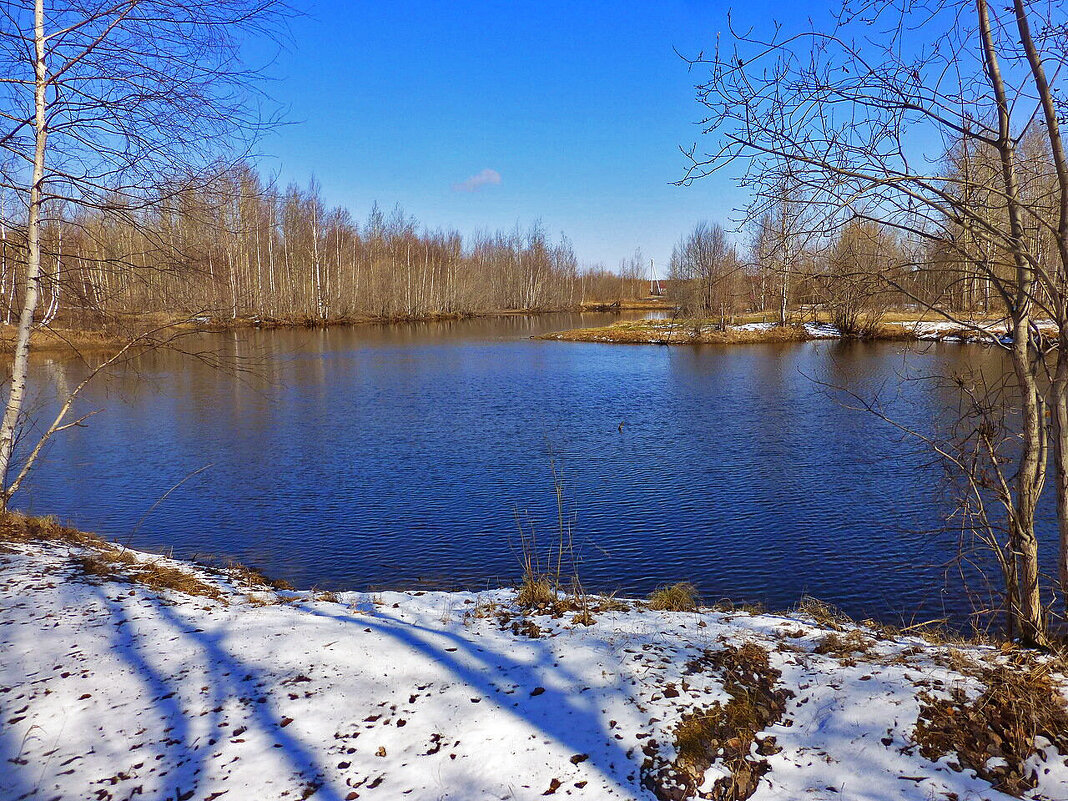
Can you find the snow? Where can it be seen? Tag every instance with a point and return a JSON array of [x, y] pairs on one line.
[[754, 327], [1052, 771], [970, 331], [822, 331], [111, 691]]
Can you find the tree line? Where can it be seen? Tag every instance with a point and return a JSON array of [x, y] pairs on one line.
[[803, 255], [239, 247], [128, 201]]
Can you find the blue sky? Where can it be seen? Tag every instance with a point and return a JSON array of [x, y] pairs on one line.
[[578, 107]]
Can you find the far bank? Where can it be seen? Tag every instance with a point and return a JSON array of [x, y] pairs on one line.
[[688, 331]]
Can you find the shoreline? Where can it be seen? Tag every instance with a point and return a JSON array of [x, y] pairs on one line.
[[129, 673], [705, 332], [57, 342], [64, 340]]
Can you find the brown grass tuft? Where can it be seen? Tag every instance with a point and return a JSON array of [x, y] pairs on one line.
[[18, 528], [994, 734], [536, 593], [251, 577], [727, 606], [483, 609], [99, 559], [824, 614], [108, 563], [607, 603], [679, 597], [844, 646], [723, 733], [583, 618]]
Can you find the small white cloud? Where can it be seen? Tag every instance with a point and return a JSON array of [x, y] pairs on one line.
[[485, 178]]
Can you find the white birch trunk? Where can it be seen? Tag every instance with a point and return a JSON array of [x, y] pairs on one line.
[[20, 364]]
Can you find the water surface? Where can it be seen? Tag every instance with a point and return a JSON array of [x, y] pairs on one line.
[[396, 456]]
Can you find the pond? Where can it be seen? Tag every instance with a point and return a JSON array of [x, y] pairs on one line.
[[410, 456]]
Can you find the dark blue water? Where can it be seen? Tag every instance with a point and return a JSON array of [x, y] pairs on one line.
[[400, 456]]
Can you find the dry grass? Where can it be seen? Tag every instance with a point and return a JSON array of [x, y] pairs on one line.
[[251, 577], [824, 614], [994, 734], [844, 646], [99, 559], [540, 595], [483, 609], [542, 587], [109, 563], [608, 603], [647, 304], [67, 337], [680, 597], [895, 326], [60, 342], [680, 333], [727, 606], [724, 733], [536, 593], [960, 662], [584, 617], [19, 528]]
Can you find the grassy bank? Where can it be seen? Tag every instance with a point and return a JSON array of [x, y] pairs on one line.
[[705, 331], [680, 332], [646, 304], [66, 338]]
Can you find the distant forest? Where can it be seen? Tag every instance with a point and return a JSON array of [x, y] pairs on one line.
[[240, 247]]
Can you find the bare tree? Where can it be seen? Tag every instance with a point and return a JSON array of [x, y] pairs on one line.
[[854, 285], [780, 210], [849, 116], [107, 105], [705, 273]]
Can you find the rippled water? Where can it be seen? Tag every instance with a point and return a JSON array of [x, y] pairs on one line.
[[401, 455]]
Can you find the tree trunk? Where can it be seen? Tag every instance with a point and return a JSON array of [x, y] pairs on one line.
[[1060, 380], [1060, 460], [1031, 475], [19, 368]]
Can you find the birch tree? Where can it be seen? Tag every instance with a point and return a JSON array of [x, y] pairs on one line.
[[105, 105]]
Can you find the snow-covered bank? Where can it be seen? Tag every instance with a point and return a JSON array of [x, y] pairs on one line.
[[111, 690]]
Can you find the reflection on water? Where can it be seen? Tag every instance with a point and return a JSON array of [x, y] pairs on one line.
[[396, 455]]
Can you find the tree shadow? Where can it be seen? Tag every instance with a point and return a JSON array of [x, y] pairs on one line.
[[185, 752], [234, 678], [571, 718], [180, 774], [182, 738]]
